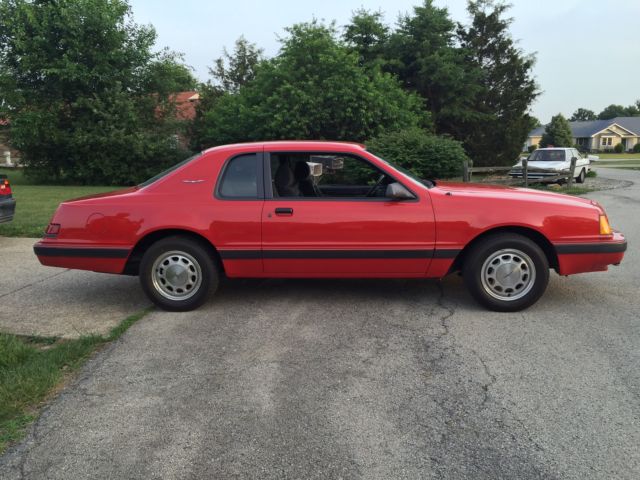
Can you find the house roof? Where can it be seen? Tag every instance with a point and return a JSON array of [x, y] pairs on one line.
[[589, 128], [185, 105]]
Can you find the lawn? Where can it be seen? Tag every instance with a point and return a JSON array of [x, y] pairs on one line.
[[35, 204], [618, 156], [32, 368]]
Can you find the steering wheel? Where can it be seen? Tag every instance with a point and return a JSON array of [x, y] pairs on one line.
[[375, 186]]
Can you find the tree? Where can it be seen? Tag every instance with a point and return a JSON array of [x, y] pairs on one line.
[[167, 74], [557, 133], [232, 71], [583, 115], [422, 52], [80, 82], [613, 111], [367, 36], [497, 131], [313, 89]]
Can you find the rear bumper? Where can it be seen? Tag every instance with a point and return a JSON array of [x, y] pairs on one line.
[[94, 258], [7, 209], [590, 257]]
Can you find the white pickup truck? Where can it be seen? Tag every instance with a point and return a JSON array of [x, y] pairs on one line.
[[551, 162]]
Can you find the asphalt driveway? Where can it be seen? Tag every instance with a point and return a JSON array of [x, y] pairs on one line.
[[363, 379]]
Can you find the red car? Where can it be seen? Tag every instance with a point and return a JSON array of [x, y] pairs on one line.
[[308, 209]]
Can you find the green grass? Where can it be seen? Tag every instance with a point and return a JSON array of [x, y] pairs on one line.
[[31, 368], [618, 156], [35, 204]]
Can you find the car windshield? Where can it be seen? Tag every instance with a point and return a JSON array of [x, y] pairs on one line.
[[547, 156], [408, 173], [167, 171]]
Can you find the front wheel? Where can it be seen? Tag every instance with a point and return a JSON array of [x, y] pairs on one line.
[[580, 178], [506, 272], [178, 274]]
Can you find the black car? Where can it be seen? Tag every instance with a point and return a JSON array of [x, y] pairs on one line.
[[7, 202]]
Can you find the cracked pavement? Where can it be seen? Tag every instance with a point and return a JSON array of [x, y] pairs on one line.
[[363, 379]]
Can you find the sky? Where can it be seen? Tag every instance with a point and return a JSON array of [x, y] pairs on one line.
[[587, 50]]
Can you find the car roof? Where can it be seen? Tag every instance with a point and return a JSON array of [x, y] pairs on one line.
[[555, 148], [294, 144]]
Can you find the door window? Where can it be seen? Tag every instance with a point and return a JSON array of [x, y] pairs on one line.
[[324, 176], [240, 178]]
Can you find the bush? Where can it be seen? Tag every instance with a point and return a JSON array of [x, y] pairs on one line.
[[592, 174], [426, 155], [532, 148], [636, 148], [618, 148], [581, 148]]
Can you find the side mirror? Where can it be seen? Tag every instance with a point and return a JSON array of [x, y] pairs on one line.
[[397, 191]]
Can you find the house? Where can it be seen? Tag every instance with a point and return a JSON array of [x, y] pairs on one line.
[[185, 103], [598, 135], [8, 156]]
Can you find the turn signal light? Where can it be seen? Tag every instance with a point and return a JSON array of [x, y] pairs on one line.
[[605, 228]]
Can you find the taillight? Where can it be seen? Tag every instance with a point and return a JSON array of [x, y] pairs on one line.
[[5, 187], [53, 229]]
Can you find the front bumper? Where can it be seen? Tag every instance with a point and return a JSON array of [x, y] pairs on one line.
[[7, 209], [537, 174], [592, 256]]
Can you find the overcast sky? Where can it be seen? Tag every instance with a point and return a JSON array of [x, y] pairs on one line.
[[587, 50]]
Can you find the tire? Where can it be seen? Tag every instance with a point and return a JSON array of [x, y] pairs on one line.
[[486, 263], [178, 274], [580, 178]]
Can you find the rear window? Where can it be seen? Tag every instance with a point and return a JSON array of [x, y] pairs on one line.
[[168, 171]]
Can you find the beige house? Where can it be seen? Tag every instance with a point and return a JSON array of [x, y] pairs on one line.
[[599, 135]]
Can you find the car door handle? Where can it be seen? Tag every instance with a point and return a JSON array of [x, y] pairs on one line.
[[284, 211]]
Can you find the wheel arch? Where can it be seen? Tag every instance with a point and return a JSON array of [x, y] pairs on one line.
[[133, 262], [531, 233]]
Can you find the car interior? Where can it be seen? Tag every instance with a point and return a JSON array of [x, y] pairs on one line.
[[319, 176]]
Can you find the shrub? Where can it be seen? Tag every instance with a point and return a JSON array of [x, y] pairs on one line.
[[636, 148], [532, 148], [426, 155], [618, 148], [592, 174]]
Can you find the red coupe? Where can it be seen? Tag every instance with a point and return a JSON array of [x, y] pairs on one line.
[[303, 209]]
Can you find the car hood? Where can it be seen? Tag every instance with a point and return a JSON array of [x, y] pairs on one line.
[[501, 192]]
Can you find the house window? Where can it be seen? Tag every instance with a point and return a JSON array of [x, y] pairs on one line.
[[606, 141]]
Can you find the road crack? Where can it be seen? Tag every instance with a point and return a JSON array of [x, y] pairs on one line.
[[34, 283]]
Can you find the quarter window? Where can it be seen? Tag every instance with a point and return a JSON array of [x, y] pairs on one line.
[[240, 178]]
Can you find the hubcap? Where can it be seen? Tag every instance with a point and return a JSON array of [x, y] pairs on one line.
[[508, 274], [176, 275]]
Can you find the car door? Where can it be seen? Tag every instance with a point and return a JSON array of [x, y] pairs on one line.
[[336, 220]]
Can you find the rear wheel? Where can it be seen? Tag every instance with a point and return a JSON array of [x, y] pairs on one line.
[[580, 178], [178, 273], [506, 272]]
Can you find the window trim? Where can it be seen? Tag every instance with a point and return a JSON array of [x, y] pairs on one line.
[[268, 187], [259, 174]]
